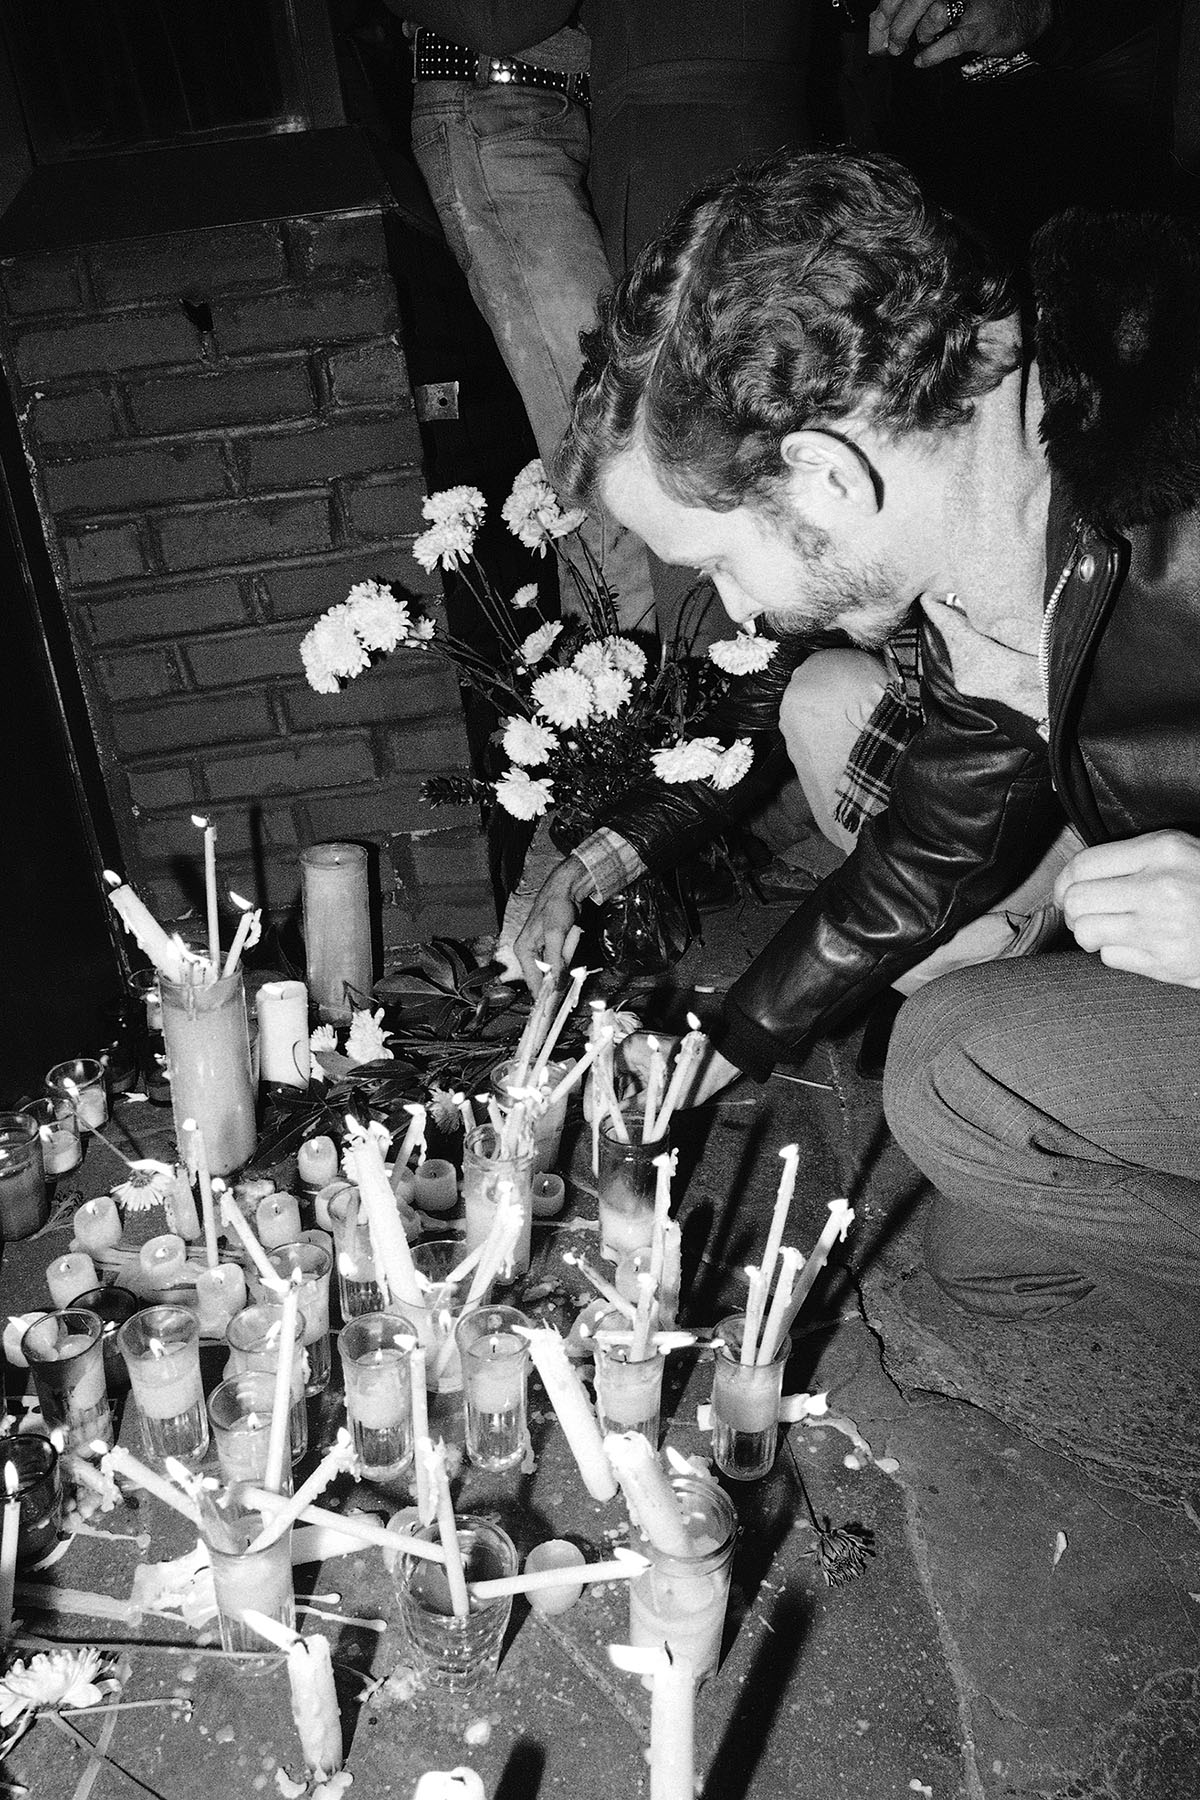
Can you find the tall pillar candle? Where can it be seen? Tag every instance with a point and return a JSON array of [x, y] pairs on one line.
[[208, 1060], [337, 926], [283, 1053]]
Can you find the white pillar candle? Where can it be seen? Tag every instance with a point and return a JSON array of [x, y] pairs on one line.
[[97, 1224], [164, 952], [220, 1296], [435, 1186], [337, 926], [314, 1705], [573, 1410], [283, 1052], [69, 1276], [672, 1718], [449, 1784], [317, 1163], [180, 1205], [163, 1260], [649, 1495], [277, 1220]]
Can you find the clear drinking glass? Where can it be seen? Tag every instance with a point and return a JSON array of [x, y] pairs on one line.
[[745, 1406], [485, 1172], [24, 1202], [628, 1392], [80, 1083], [239, 1413], [34, 1463], [680, 1601], [112, 1306], [495, 1370], [314, 1264], [358, 1289], [208, 1060], [248, 1580], [253, 1338], [456, 1653], [65, 1354], [546, 1126], [161, 1347], [626, 1186], [375, 1349]]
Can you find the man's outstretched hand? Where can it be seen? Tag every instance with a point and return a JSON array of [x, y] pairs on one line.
[[551, 917], [1137, 903]]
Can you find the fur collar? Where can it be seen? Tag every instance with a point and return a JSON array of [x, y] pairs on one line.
[[1118, 338]]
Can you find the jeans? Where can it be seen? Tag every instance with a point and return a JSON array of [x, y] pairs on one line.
[[507, 171], [1055, 1106]]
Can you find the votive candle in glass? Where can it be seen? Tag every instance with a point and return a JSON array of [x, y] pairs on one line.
[[79, 1082], [314, 1265], [375, 1349], [161, 1347], [358, 1287], [485, 1173], [24, 1202], [248, 1580], [34, 1463], [112, 1306], [456, 1653], [208, 1060], [495, 1371], [239, 1416], [547, 1125], [626, 1186], [628, 1391], [680, 1601], [253, 1338], [745, 1406], [58, 1128], [65, 1354]]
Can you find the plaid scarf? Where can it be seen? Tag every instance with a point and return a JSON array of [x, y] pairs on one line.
[[866, 785]]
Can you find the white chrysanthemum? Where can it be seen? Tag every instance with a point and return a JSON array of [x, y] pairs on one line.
[[532, 511], [591, 660], [624, 654], [742, 655], [380, 620], [456, 506], [538, 642], [522, 796], [368, 590], [528, 742], [366, 1040], [322, 1037], [732, 765], [564, 696], [443, 1108], [420, 634], [55, 1678], [525, 596], [612, 689], [332, 651], [447, 544], [690, 760]]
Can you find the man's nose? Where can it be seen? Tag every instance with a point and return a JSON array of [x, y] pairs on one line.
[[740, 610]]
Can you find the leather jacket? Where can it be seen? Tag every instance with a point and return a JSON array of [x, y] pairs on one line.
[[978, 796]]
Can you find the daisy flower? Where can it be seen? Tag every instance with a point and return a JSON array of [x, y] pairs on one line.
[[525, 596]]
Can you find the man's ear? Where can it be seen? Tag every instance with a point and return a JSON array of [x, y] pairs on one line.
[[828, 467]]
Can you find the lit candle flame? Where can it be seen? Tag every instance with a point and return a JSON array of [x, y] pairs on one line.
[[112, 878], [245, 905], [199, 821]]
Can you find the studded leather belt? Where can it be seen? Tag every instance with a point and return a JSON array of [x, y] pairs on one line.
[[437, 59]]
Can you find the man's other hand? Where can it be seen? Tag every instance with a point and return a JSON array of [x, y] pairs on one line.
[[1137, 903], [551, 917], [982, 28]]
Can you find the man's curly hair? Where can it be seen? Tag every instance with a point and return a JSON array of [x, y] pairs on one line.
[[784, 296]]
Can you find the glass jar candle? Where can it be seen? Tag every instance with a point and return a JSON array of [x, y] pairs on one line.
[[239, 1417], [628, 1390], [486, 1172], [58, 1128], [80, 1084], [34, 1464], [547, 1125], [495, 1373], [249, 1580], [453, 1653], [253, 1337], [208, 1061], [680, 1601], [626, 1186], [65, 1354], [24, 1202], [375, 1349], [314, 1264], [161, 1347], [745, 1406]]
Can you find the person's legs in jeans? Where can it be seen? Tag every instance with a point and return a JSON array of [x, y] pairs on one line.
[[507, 171], [828, 703], [1055, 1106]]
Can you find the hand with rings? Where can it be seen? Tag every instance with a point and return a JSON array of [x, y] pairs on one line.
[[949, 30]]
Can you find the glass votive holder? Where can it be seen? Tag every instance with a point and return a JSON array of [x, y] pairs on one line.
[[58, 1128], [628, 1391], [486, 1173], [112, 1306], [358, 1289], [547, 1125], [434, 1259], [745, 1406], [208, 1059], [24, 1202], [449, 1652], [248, 1580], [152, 1049], [161, 1347], [79, 1083], [253, 1336], [65, 1354], [680, 1601], [34, 1464], [314, 1265], [626, 1186], [375, 1349], [239, 1417], [495, 1370]]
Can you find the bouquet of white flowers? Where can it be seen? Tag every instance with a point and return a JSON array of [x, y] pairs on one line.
[[585, 713]]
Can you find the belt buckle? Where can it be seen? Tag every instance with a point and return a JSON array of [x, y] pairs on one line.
[[494, 71]]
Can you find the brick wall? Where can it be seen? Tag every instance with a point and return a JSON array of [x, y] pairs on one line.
[[222, 439]]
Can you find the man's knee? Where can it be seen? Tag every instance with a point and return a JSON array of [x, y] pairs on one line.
[[837, 689]]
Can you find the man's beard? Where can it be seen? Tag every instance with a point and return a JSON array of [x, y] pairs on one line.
[[863, 603]]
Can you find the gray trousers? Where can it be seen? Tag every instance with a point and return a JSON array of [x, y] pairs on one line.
[[1055, 1106]]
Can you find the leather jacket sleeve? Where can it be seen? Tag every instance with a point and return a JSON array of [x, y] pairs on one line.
[[666, 823], [972, 811], [1081, 30]]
